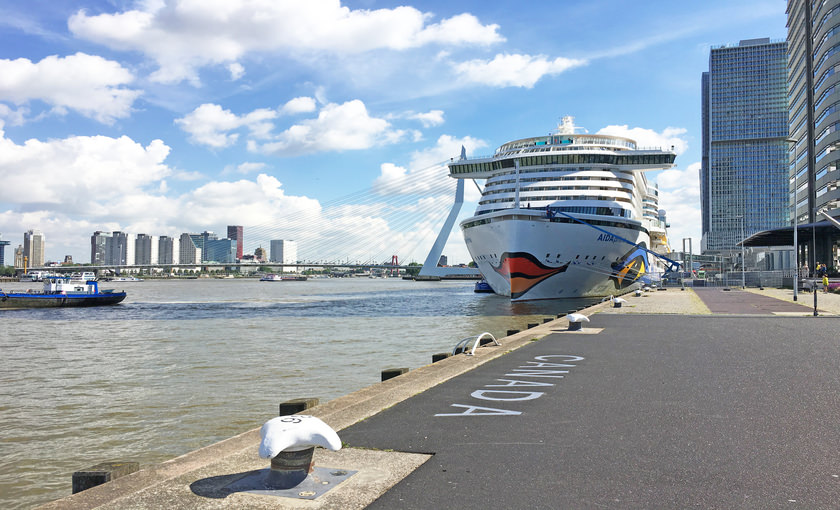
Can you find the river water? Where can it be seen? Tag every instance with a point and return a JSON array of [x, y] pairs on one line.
[[182, 364]]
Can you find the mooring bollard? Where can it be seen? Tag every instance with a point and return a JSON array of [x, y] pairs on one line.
[[290, 441], [440, 356], [297, 405], [512, 332], [101, 473], [390, 373]]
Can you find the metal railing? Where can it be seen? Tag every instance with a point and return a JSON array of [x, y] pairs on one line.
[[777, 279]]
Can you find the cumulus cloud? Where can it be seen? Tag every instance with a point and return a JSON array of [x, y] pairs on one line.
[[506, 70], [182, 36], [87, 84], [299, 105], [338, 127], [669, 137], [78, 173], [427, 170], [211, 125], [128, 181], [679, 196]]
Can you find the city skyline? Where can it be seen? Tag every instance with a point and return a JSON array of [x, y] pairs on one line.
[[139, 129]]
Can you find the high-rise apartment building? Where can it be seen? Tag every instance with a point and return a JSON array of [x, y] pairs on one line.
[[166, 250], [3, 245], [34, 246], [118, 249], [284, 251], [814, 120], [743, 175], [143, 250], [99, 243], [235, 232], [188, 252]]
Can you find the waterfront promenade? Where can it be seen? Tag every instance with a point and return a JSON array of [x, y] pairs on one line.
[[716, 399]]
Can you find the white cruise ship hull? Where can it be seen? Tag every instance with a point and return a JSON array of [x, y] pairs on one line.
[[537, 259]]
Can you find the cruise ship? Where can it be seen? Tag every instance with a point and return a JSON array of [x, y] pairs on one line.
[[566, 215]]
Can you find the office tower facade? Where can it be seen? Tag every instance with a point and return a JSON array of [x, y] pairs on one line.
[[3, 245], [99, 245], [814, 119], [34, 246], [166, 250], [284, 251], [188, 252], [235, 232], [219, 250], [142, 249], [19, 257], [743, 175]]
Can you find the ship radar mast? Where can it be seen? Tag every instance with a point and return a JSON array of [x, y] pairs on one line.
[[567, 126]]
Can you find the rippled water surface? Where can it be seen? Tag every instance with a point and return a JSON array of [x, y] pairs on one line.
[[183, 364]]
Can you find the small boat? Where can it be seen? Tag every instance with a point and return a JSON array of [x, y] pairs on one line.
[[283, 278], [482, 286], [83, 277], [33, 276], [59, 292], [124, 279]]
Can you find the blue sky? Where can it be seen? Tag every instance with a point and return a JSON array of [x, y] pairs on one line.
[[162, 117]]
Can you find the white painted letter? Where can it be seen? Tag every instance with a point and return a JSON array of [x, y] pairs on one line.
[[537, 364], [538, 373], [514, 382], [567, 356], [527, 395], [481, 411]]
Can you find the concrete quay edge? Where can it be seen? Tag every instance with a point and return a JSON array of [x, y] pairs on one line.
[[338, 413]]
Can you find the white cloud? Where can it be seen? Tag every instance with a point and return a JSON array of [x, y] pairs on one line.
[[236, 70], [506, 70], [210, 125], [338, 127], [427, 170], [298, 105], [79, 174], [102, 183], [88, 84], [185, 35], [679, 196], [246, 168], [669, 137], [428, 119]]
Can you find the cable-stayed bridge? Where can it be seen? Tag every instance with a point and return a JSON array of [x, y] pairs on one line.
[[399, 215]]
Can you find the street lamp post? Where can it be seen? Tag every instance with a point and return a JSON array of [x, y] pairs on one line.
[[795, 226], [743, 259]]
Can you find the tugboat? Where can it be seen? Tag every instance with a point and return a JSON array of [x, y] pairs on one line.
[[59, 292]]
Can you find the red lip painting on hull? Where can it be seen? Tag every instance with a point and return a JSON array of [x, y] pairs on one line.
[[524, 271]]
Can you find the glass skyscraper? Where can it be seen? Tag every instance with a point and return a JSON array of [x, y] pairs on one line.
[[743, 175], [814, 121]]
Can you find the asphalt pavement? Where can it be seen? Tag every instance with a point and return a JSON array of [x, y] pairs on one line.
[[643, 412]]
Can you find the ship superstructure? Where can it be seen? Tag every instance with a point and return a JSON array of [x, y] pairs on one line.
[[565, 215]]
